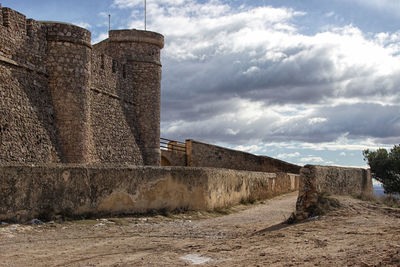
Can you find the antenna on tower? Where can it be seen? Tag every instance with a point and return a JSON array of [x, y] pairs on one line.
[[109, 22], [145, 11]]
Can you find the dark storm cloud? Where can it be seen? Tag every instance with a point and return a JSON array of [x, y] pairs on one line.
[[324, 124], [248, 74], [356, 121]]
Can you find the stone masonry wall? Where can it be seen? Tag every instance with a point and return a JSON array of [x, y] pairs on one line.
[[315, 181], [64, 100], [28, 131], [44, 191], [114, 132], [173, 158], [113, 137], [68, 64], [206, 155], [139, 53]]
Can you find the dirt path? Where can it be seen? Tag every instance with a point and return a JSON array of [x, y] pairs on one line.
[[359, 233]]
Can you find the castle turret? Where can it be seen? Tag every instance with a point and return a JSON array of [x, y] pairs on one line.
[[1, 15], [68, 66], [140, 50], [64, 100]]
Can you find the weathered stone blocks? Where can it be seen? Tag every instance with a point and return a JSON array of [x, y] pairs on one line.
[[64, 100], [44, 191], [205, 155], [68, 67], [315, 181]]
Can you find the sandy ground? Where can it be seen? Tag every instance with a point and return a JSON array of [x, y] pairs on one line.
[[357, 234]]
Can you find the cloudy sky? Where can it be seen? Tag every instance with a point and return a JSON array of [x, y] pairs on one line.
[[311, 81]]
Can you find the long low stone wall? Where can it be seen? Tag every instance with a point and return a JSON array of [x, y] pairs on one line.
[[315, 181], [28, 192], [206, 155], [173, 158]]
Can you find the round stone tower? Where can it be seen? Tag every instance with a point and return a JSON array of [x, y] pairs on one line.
[[68, 66], [140, 52]]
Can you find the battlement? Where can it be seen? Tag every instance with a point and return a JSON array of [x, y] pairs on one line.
[[77, 103], [137, 36], [65, 32], [1, 15], [13, 20], [16, 24], [109, 75]]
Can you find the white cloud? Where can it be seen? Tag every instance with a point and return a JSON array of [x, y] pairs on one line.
[[329, 14], [231, 131], [251, 70], [337, 145], [134, 3], [288, 155], [82, 24], [100, 37], [312, 159], [316, 120], [256, 149], [249, 76]]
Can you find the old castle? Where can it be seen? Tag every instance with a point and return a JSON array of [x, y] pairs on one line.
[[63, 100]]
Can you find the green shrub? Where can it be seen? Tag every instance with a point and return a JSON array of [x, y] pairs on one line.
[[385, 167]]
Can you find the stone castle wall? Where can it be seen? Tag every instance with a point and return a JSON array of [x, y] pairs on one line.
[[114, 132], [68, 59], [64, 100], [28, 131], [205, 155], [136, 55], [44, 191]]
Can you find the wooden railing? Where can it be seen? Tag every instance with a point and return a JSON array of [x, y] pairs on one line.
[[172, 145]]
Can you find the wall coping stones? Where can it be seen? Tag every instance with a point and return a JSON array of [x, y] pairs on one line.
[[68, 40], [138, 36], [74, 190]]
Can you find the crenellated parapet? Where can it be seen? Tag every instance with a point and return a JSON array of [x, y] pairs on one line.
[[14, 21], [1, 15], [67, 33], [64, 100], [22, 41], [136, 54], [68, 65], [147, 45], [137, 36]]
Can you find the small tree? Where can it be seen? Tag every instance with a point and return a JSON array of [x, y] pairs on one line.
[[385, 167]]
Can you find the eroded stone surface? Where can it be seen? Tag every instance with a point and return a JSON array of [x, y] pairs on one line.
[[63, 100], [315, 181], [46, 191]]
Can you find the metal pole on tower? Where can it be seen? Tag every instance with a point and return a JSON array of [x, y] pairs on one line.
[[109, 22], [145, 11]]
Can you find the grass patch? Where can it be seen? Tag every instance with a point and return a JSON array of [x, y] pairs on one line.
[[325, 204], [222, 211], [247, 201], [390, 201], [167, 213], [364, 197], [387, 200]]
